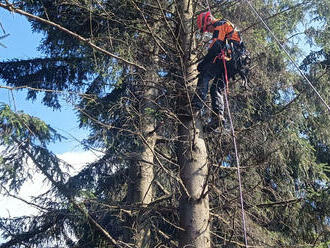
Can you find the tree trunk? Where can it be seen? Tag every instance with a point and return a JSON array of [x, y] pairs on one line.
[[194, 204], [192, 154], [142, 173], [145, 173], [141, 176]]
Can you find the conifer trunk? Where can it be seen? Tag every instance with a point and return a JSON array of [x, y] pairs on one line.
[[192, 154], [145, 175], [194, 205], [142, 172], [140, 190]]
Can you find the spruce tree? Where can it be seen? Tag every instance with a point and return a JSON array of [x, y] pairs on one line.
[[134, 62]]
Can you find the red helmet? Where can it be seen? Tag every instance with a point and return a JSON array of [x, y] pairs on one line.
[[202, 20]]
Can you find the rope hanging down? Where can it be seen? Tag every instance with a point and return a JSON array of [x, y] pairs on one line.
[[235, 146], [287, 53]]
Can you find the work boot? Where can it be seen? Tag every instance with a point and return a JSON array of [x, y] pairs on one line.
[[217, 121]]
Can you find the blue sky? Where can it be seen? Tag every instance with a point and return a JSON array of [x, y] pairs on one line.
[[22, 44]]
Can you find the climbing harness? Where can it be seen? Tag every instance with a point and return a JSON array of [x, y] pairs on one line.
[[240, 59], [235, 147], [223, 55]]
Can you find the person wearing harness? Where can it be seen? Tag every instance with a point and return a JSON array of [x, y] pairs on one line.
[[227, 38]]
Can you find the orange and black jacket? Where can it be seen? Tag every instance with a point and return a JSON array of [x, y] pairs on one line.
[[223, 30]]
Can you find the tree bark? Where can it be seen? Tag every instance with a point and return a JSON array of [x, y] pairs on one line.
[[142, 173], [145, 172], [194, 203], [192, 154]]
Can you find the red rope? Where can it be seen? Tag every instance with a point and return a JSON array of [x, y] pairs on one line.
[[236, 150], [223, 57]]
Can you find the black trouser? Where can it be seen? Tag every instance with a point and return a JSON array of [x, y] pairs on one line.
[[215, 71], [212, 71]]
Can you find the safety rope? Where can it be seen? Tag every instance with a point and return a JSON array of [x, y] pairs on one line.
[[223, 57], [235, 147], [289, 56]]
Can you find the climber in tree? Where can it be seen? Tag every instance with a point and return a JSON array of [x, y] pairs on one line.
[[227, 38]]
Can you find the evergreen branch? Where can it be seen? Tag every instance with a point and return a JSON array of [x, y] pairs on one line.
[[1, 27], [95, 223], [219, 217], [178, 45], [65, 192], [87, 41], [231, 241], [167, 237], [23, 200], [19, 238], [4, 36], [128, 25], [160, 199], [178, 179], [279, 203], [231, 168], [107, 126], [162, 188], [271, 17], [294, 100], [155, 7], [124, 208], [143, 140], [149, 28], [166, 158], [172, 224], [88, 96]]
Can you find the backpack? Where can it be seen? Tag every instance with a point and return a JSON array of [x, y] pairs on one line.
[[241, 61]]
